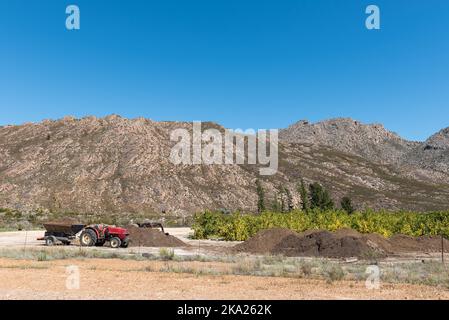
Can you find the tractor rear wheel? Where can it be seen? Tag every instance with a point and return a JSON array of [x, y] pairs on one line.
[[88, 238], [115, 242]]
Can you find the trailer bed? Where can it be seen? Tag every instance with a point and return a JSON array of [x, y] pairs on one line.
[[63, 228]]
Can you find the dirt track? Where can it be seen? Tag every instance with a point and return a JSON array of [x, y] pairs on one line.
[[28, 238], [98, 280], [21, 239]]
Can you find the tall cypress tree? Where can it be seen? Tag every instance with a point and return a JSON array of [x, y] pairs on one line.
[[320, 197], [260, 197], [281, 196], [346, 204], [288, 194], [304, 196], [276, 205]]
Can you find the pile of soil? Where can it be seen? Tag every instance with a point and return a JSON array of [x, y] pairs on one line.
[[316, 243], [403, 243], [344, 243], [145, 237]]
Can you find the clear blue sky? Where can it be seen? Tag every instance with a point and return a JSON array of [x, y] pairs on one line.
[[242, 63]]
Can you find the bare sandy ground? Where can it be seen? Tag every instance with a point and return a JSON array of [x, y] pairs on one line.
[[119, 279], [128, 279], [27, 239]]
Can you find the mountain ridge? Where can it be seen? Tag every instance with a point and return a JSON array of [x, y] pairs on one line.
[[374, 142], [114, 164]]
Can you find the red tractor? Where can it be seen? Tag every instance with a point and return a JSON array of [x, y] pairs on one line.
[[98, 234]]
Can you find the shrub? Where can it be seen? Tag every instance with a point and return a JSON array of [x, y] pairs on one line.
[[166, 254], [334, 273], [239, 227], [320, 197], [346, 204], [260, 196], [42, 256], [304, 196]]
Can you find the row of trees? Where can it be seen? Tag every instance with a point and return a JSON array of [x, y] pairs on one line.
[[313, 197]]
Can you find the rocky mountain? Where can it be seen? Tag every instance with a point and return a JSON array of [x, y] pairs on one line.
[[372, 142], [427, 160], [439, 141], [114, 164], [431, 155], [110, 164]]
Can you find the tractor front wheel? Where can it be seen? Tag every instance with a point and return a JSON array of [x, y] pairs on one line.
[[88, 238], [115, 242], [125, 243]]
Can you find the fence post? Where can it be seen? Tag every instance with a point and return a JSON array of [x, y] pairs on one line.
[[26, 240], [442, 249]]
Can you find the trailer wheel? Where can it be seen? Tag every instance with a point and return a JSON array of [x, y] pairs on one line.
[[115, 242], [50, 241], [88, 238]]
